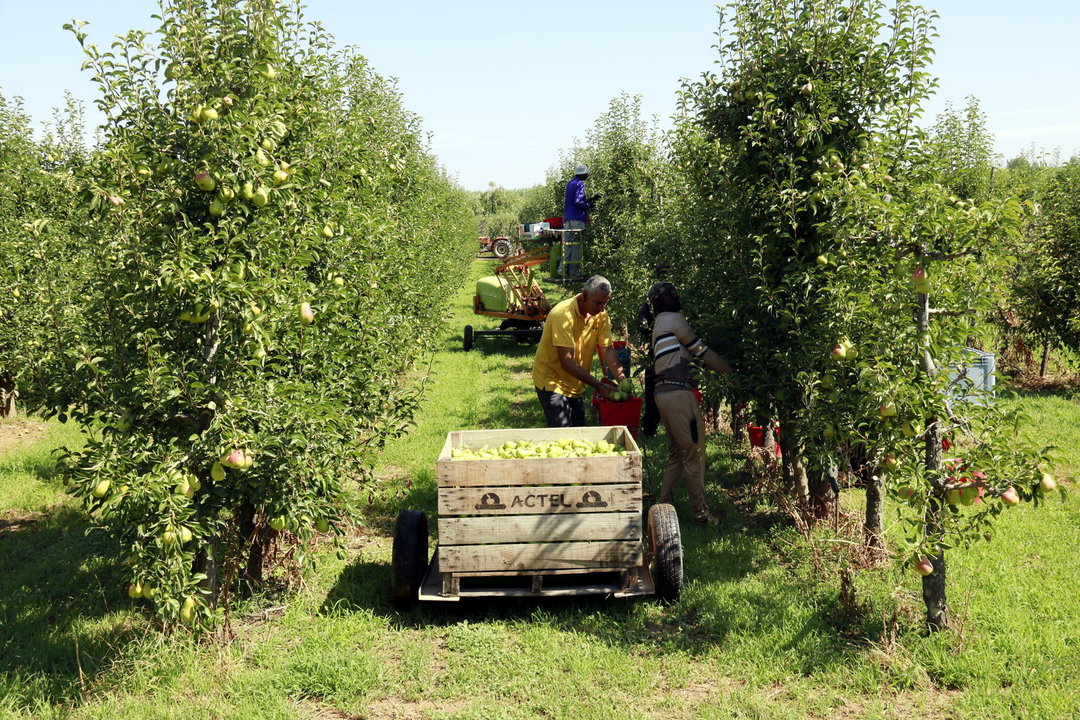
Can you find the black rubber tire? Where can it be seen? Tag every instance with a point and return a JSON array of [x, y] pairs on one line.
[[665, 547], [410, 557], [468, 338], [501, 248]]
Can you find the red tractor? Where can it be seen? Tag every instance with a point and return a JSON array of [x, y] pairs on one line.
[[500, 247]]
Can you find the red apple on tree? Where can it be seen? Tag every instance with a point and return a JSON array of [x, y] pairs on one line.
[[969, 494], [924, 566], [1010, 496]]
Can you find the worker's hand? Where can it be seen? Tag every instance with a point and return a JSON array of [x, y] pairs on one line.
[[595, 198], [606, 391]]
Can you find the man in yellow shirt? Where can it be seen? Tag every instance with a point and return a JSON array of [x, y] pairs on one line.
[[561, 370]]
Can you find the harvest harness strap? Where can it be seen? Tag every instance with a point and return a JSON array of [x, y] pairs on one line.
[[676, 383]]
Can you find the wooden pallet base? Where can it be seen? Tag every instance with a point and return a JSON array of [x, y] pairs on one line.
[[452, 587]]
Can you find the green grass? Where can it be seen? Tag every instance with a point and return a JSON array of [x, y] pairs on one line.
[[759, 632]]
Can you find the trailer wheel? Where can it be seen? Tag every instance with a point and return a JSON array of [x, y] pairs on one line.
[[501, 248], [665, 546], [410, 557], [468, 337]]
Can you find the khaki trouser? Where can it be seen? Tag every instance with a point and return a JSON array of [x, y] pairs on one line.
[[686, 448]]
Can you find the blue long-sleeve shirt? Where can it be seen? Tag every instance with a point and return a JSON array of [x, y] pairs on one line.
[[577, 205]]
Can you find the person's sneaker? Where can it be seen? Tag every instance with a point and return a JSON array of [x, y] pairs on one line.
[[710, 519]]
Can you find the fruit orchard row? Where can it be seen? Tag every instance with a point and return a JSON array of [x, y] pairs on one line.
[[265, 249]]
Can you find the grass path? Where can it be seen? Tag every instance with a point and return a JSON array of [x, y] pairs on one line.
[[759, 632]]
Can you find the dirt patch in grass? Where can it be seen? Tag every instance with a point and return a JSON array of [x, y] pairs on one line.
[[392, 473], [398, 709], [13, 522], [17, 433], [923, 705]]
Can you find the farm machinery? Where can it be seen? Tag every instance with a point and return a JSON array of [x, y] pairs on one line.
[[514, 296], [500, 247]]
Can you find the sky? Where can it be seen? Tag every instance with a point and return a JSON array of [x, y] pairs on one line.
[[504, 86]]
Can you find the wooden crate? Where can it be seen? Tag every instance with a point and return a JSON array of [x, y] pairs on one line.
[[538, 517]]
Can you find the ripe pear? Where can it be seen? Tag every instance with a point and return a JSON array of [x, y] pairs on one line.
[[1047, 483], [205, 181], [187, 610], [307, 315]]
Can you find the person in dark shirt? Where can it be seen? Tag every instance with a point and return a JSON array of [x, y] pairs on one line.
[[651, 417], [575, 216], [676, 350]]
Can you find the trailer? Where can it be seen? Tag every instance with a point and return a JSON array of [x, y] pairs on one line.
[[539, 526]]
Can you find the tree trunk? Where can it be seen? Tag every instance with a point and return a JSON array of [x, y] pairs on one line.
[[254, 540], [208, 562], [874, 525], [7, 395], [1045, 358], [798, 483], [933, 585]]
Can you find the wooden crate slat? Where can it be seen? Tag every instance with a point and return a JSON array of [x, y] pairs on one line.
[[540, 528], [539, 556], [540, 471], [539, 500], [494, 438]]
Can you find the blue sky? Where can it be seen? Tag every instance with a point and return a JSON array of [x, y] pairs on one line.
[[503, 86]]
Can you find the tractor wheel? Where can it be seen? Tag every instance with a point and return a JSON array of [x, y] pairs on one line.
[[410, 557], [665, 547], [468, 337], [501, 248]]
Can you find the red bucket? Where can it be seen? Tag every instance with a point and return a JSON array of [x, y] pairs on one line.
[[757, 438], [626, 413]]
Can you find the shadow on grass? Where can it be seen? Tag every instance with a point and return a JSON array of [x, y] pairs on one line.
[[55, 582], [721, 601]]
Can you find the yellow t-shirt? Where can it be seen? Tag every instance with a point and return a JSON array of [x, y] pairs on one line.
[[566, 327]]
